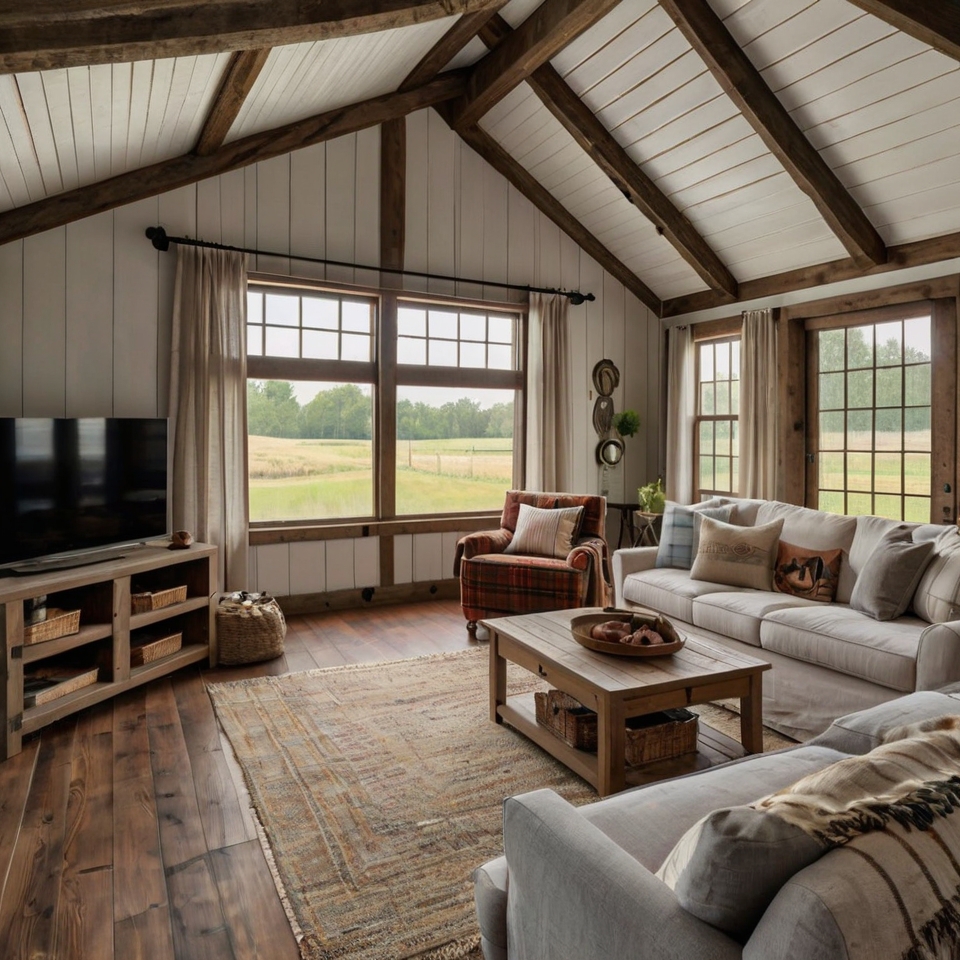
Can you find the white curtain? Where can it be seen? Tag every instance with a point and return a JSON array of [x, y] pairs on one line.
[[208, 385], [549, 454], [681, 410], [758, 405]]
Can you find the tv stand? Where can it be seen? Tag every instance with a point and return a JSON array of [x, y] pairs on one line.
[[108, 629], [29, 567]]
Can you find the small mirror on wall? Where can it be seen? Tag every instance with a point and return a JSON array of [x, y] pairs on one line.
[[610, 452]]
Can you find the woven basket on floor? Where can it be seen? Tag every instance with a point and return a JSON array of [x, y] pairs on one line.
[[250, 627]]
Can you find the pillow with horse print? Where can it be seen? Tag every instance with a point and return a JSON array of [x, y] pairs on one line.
[[810, 574]]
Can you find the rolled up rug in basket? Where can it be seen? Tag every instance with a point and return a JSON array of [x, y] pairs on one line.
[[250, 628]]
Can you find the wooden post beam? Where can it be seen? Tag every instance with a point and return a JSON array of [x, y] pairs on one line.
[[169, 174], [45, 34], [936, 23], [530, 187], [600, 145], [238, 80], [547, 30], [743, 84]]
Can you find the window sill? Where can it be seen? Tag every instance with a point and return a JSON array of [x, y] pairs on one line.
[[266, 534]]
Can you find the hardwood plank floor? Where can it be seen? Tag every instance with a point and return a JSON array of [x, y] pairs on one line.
[[125, 831]]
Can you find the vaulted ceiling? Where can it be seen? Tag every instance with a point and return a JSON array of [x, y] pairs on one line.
[[703, 151]]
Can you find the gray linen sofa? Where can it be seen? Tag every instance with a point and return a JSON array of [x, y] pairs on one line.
[[828, 659], [578, 883]]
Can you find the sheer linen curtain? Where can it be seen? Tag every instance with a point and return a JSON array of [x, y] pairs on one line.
[[758, 405], [681, 412], [208, 386], [549, 452]]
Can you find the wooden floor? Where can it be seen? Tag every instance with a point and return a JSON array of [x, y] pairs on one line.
[[123, 833]]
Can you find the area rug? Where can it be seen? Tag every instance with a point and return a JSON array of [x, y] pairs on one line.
[[379, 788]]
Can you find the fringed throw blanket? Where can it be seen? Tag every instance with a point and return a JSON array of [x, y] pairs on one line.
[[893, 815]]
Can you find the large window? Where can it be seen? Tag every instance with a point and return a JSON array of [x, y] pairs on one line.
[[337, 430], [870, 388], [717, 447]]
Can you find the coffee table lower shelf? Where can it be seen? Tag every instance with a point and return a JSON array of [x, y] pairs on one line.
[[714, 747]]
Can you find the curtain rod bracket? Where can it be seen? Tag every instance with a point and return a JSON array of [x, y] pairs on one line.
[[161, 241]]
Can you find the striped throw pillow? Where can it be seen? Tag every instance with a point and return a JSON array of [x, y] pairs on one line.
[[546, 533]]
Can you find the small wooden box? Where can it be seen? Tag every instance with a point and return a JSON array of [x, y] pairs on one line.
[[148, 600], [59, 623]]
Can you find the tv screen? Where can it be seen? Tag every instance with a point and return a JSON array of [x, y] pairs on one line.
[[74, 485]]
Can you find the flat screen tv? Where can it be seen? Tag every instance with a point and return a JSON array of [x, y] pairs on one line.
[[70, 488]]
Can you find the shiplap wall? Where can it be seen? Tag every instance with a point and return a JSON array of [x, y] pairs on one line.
[[85, 310]]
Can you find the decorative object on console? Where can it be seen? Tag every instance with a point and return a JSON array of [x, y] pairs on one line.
[[180, 540]]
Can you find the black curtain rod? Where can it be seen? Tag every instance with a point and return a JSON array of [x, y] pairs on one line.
[[161, 241]]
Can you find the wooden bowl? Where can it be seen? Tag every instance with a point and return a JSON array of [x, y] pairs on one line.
[[580, 628]]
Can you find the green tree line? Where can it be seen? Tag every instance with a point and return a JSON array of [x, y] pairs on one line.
[[344, 413]]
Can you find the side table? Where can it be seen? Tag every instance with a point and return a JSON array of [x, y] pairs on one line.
[[627, 526]]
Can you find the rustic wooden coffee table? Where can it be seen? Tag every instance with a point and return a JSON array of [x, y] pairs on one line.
[[615, 687]]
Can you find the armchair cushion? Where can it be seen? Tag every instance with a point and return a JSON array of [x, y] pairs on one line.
[[545, 533]]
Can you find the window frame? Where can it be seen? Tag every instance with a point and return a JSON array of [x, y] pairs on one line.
[[385, 374]]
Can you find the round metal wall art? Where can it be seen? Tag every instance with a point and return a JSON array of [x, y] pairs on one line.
[[609, 451]]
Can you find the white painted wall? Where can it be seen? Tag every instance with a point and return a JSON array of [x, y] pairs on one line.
[[85, 310]]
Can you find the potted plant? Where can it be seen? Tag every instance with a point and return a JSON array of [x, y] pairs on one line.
[[626, 423], [652, 497]]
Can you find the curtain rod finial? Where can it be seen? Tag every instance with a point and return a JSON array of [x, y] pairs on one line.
[[158, 237]]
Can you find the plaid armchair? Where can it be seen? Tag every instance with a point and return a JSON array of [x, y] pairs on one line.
[[495, 584]]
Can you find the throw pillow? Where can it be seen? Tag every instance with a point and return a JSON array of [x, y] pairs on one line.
[[811, 574], [889, 577], [546, 533], [728, 867], [937, 597], [679, 534], [738, 556]]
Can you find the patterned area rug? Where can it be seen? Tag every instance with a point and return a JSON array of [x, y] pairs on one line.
[[379, 789]]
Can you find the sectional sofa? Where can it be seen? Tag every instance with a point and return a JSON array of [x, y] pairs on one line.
[[828, 658]]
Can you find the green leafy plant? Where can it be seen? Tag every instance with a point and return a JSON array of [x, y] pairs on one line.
[[652, 497], [626, 423]]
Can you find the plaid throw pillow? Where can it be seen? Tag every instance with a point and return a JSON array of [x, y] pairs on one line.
[[679, 534], [546, 533]]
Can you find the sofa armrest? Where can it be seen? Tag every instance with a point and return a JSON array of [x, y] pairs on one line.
[[483, 541], [574, 894], [631, 560], [938, 656]]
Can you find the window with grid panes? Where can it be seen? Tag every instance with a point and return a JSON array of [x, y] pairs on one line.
[[716, 441]]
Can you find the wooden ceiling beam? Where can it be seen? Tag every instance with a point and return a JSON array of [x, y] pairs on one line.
[[170, 174], [46, 34], [546, 203], [238, 80], [743, 84], [448, 46], [913, 254], [932, 22], [553, 25], [600, 145]]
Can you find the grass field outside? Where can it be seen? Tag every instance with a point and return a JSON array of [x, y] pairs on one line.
[[293, 479]]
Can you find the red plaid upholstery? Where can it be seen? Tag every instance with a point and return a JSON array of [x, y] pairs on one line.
[[494, 584]]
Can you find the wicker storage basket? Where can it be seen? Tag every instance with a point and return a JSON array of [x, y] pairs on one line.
[[656, 736], [148, 600], [250, 627], [150, 649], [59, 623]]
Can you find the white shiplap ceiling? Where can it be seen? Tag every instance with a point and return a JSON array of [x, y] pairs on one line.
[[880, 107]]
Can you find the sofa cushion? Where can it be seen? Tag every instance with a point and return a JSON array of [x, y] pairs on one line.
[[842, 639], [937, 597], [545, 533], [647, 821], [728, 866], [670, 591], [811, 574], [679, 532], [890, 576], [735, 555], [740, 614]]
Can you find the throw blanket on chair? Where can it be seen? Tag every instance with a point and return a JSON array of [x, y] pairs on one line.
[[893, 817], [594, 553]]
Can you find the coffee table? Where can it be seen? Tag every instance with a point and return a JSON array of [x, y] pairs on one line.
[[615, 687]]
